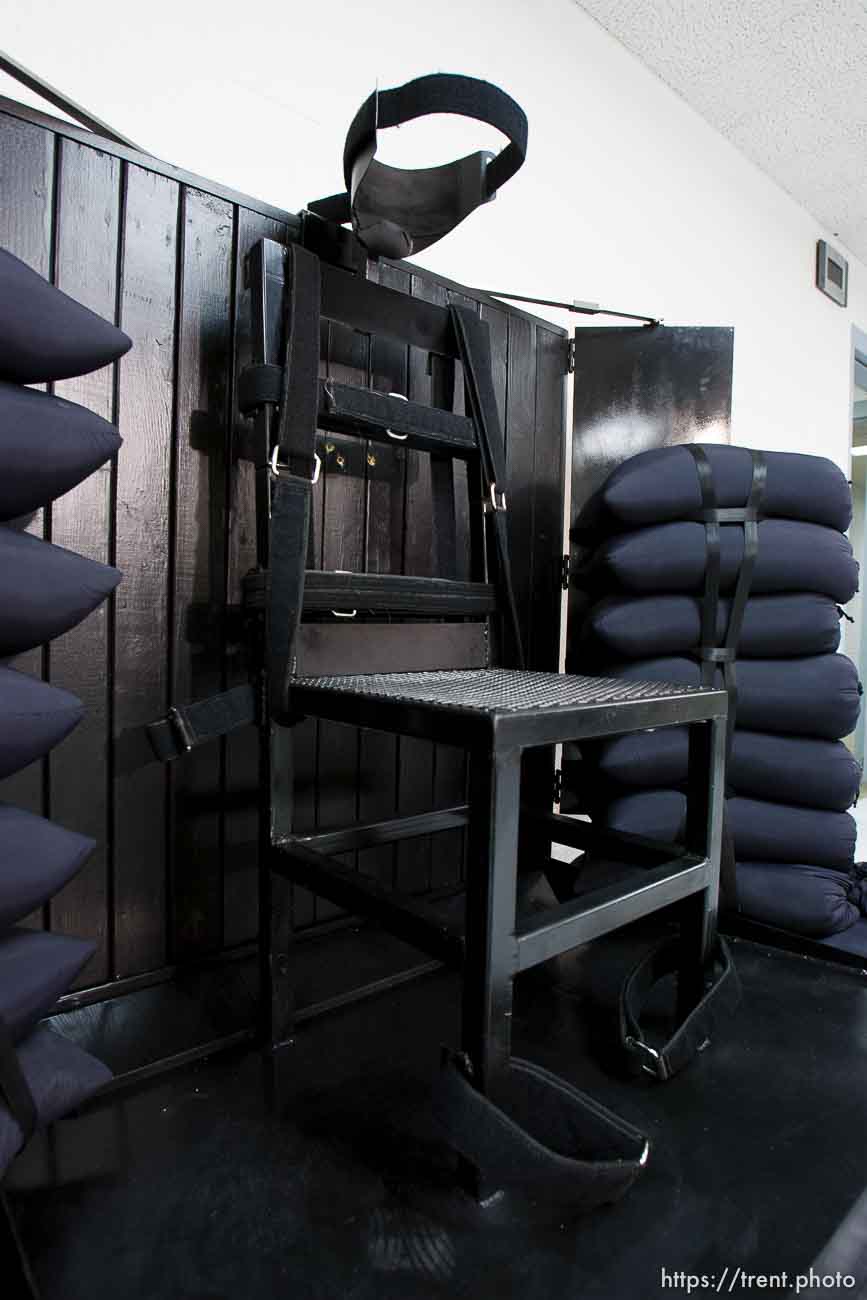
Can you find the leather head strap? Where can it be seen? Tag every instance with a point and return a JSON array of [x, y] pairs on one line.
[[396, 212]]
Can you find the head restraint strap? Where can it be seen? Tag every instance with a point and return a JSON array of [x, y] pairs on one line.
[[396, 211], [442, 92]]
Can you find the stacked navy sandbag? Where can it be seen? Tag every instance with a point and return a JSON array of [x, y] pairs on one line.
[[720, 566], [47, 446]]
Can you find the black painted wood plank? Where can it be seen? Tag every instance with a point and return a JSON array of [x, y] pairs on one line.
[[416, 758], [549, 450], [142, 633], [199, 532], [520, 442], [498, 324], [386, 499], [88, 221], [23, 113], [344, 500], [26, 229], [241, 750]]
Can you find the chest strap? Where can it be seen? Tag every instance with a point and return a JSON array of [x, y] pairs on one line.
[[474, 350]]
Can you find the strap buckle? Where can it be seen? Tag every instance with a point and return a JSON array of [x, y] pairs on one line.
[[657, 1067], [277, 468], [181, 728], [497, 499]]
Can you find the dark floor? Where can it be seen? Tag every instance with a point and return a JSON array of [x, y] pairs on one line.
[[192, 1188]]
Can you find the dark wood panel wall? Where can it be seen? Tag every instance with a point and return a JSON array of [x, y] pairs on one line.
[[174, 876]]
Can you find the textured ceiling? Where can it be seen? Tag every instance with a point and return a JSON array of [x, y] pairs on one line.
[[784, 80]]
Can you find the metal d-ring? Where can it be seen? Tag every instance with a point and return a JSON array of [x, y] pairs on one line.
[[398, 437], [277, 468], [344, 613], [497, 504]]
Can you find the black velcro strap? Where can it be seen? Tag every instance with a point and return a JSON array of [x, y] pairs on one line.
[[547, 1139], [441, 92], [296, 446], [710, 653], [290, 527], [724, 515], [721, 996], [14, 1089], [258, 385], [299, 390], [190, 725], [710, 602], [396, 212], [474, 349], [715, 654]]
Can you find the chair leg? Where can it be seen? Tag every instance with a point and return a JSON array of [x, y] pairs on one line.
[[18, 1280], [491, 950], [705, 796], [276, 894]]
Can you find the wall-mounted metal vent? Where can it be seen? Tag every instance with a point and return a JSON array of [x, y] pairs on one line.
[[832, 273]]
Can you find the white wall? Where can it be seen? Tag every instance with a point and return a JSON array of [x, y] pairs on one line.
[[628, 197]]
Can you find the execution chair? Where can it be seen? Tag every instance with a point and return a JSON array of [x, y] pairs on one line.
[[440, 659]]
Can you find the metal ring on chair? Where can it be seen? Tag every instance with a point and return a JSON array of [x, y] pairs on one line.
[[398, 437], [277, 468]]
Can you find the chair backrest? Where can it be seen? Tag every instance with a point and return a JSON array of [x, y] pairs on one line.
[[365, 612]]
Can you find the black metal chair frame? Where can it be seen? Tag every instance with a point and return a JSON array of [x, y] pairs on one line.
[[505, 719]]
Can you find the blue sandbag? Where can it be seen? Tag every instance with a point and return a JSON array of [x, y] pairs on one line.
[[853, 940], [774, 627], [762, 831], [45, 334], [785, 769], [47, 446], [662, 484], [34, 717], [816, 696], [45, 590], [808, 900], [35, 969], [792, 556], [37, 858], [60, 1077]]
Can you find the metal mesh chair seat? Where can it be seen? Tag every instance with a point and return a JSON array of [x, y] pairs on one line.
[[510, 705], [496, 690]]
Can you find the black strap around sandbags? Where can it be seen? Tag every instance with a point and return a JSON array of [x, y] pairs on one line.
[[711, 654], [396, 212], [14, 1089], [548, 1140], [722, 993], [474, 351]]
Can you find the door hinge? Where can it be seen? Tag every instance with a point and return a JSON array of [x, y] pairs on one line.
[[565, 572], [570, 357], [558, 784]]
